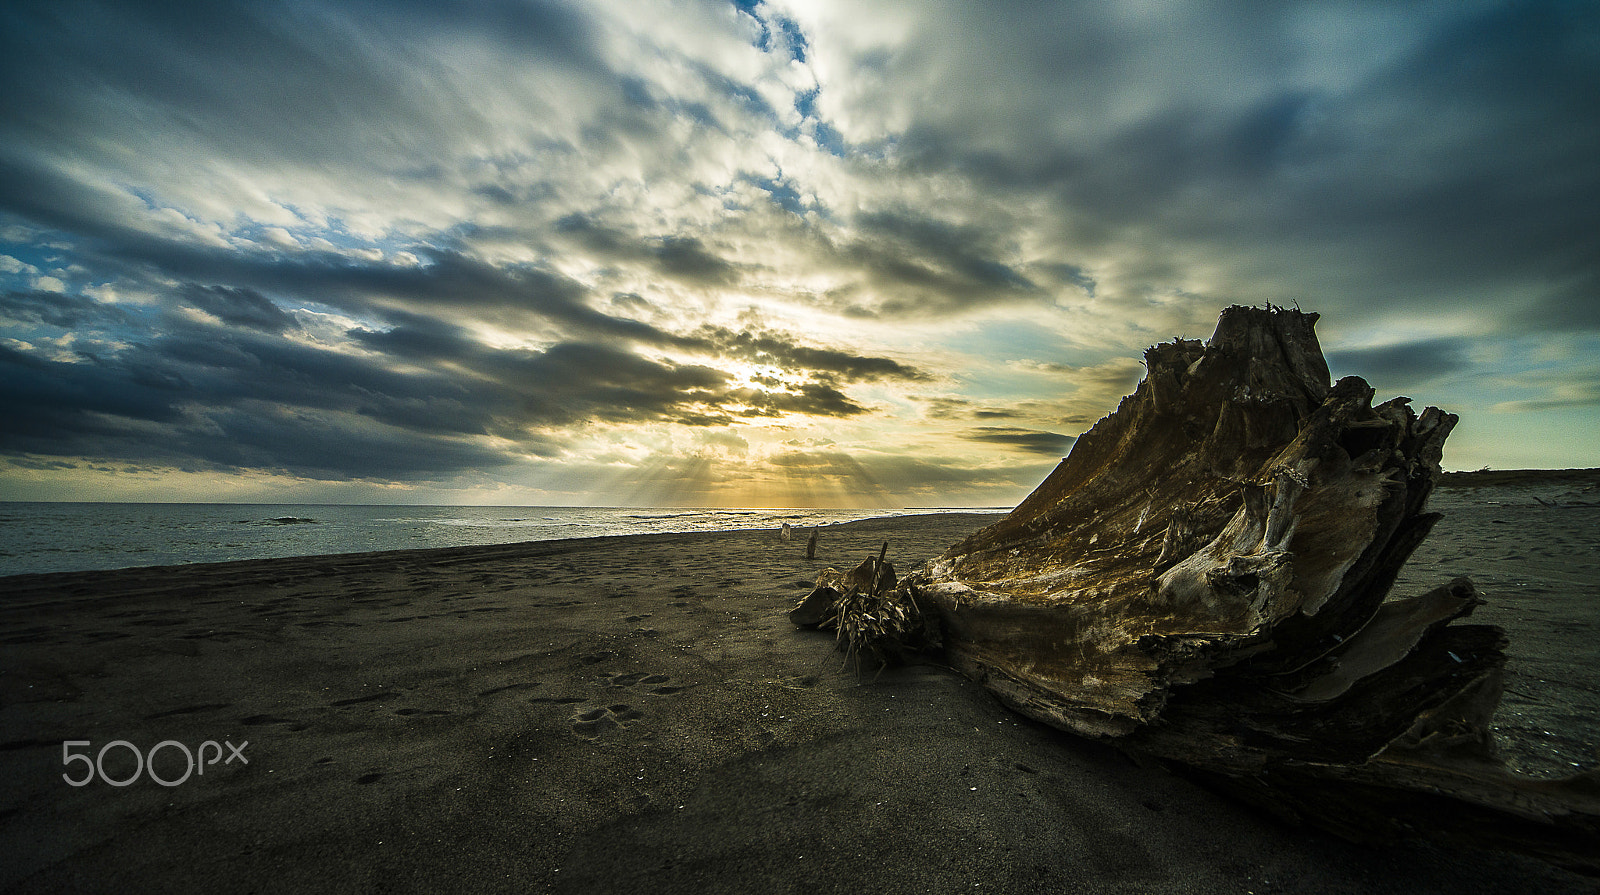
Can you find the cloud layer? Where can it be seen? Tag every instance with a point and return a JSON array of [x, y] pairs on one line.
[[759, 252]]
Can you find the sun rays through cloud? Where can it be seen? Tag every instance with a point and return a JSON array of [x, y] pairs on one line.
[[759, 253]]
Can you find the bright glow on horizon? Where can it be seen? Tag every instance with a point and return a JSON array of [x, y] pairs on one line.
[[765, 252]]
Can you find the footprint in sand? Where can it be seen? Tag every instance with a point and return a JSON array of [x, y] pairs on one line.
[[591, 723], [258, 720], [357, 700], [520, 685], [629, 680], [189, 710]]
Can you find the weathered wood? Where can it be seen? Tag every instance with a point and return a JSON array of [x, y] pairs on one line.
[[1204, 580]]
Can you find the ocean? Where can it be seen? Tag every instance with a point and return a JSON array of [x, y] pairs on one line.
[[1533, 550], [73, 537]]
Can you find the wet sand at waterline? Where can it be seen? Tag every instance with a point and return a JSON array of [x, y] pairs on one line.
[[637, 714]]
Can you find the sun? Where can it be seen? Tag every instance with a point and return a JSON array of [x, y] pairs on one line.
[[759, 377]]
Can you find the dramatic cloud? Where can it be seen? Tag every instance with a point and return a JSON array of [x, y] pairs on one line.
[[1024, 439], [739, 251], [1413, 362]]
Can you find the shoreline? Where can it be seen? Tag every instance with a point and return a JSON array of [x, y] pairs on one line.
[[1482, 478], [77, 540], [614, 714], [511, 550], [1461, 482]]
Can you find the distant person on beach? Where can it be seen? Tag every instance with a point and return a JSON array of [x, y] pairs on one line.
[[784, 533], [811, 545]]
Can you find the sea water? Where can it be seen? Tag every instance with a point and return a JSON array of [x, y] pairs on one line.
[[1533, 551], [68, 537]]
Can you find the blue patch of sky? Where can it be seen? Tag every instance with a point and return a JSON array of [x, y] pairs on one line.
[[831, 141], [334, 230], [805, 102], [1025, 342], [753, 101], [783, 194], [41, 257], [1526, 370], [338, 234], [794, 40], [794, 37]]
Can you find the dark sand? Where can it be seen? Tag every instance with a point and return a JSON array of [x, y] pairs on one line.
[[606, 715]]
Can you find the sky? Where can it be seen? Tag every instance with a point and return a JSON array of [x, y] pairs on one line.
[[850, 253]]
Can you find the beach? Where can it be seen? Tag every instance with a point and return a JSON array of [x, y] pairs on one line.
[[626, 714]]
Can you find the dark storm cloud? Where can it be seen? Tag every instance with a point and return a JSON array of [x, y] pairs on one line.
[[960, 408], [249, 396], [687, 258], [935, 479], [417, 337], [927, 266], [45, 400], [225, 370], [1117, 377], [683, 257], [232, 399], [446, 278], [572, 381], [632, 301], [1562, 393], [497, 390], [1029, 440], [28, 463], [196, 379], [809, 398], [957, 248], [1407, 362], [277, 438], [1071, 274], [781, 350], [59, 310], [1449, 154], [35, 191], [239, 307], [306, 218], [272, 80], [137, 409]]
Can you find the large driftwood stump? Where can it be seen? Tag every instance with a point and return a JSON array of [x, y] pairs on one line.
[[1204, 580]]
